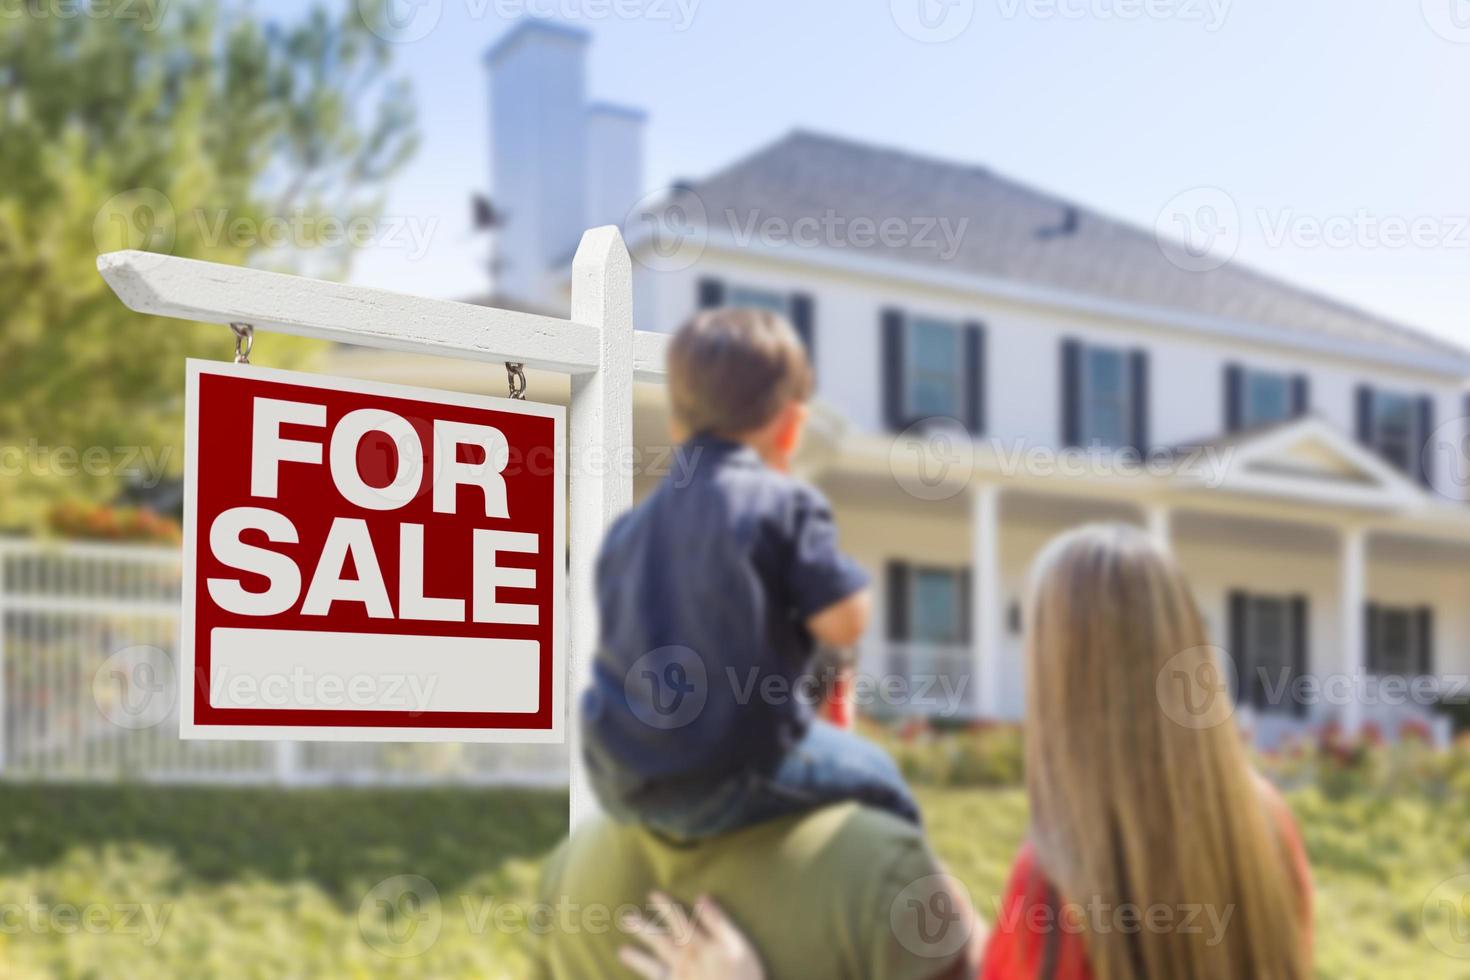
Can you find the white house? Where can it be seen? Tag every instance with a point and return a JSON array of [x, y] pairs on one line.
[[1305, 460]]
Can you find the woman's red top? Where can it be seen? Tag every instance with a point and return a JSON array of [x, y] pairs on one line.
[[1017, 947]]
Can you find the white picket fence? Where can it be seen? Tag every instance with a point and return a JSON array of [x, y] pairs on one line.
[[88, 691]]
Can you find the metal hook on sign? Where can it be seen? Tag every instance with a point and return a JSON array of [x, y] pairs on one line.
[[244, 341], [515, 379]]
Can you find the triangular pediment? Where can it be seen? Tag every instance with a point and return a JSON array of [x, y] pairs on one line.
[[1309, 458]]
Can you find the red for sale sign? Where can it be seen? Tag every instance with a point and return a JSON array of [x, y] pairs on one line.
[[369, 562]]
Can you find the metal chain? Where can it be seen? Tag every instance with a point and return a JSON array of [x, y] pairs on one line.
[[244, 341], [515, 378]]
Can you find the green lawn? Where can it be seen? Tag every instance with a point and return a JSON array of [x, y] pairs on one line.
[[263, 884]]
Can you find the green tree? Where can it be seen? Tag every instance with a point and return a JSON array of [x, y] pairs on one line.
[[175, 126]]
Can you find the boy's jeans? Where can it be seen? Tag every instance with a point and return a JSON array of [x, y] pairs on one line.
[[829, 765]]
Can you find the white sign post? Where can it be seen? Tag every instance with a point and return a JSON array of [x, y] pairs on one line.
[[596, 346]]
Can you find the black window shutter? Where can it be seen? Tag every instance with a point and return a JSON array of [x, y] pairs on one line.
[[1301, 395], [1140, 401], [1234, 387], [803, 319], [1365, 415], [967, 607], [711, 294], [1071, 407], [1370, 638], [1425, 616], [1237, 649], [1422, 444], [1300, 641], [897, 585], [893, 371], [975, 377]]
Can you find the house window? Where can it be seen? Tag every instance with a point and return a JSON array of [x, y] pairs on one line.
[[1268, 645], [935, 382], [1265, 398], [937, 603], [1399, 641], [1107, 397], [1268, 641], [761, 299], [1394, 429]]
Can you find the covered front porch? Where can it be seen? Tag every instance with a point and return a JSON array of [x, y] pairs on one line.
[[1335, 586]]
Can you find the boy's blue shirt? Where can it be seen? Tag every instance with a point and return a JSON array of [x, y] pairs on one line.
[[704, 590]]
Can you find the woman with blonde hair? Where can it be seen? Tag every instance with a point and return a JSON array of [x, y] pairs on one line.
[[1155, 852]]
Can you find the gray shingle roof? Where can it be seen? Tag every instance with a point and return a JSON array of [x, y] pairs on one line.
[[1024, 235]]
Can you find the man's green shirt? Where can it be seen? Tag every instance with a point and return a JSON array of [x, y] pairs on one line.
[[843, 892]]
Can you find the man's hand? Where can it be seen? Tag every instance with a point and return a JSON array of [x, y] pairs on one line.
[[712, 950], [842, 623]]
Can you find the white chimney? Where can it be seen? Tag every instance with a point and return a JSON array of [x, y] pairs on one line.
[[538, 154], [615, 162]]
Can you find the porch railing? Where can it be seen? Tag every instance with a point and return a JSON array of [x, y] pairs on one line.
[[916, 678], [88, 634]]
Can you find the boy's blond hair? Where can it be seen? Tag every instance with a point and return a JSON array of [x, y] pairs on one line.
[[732, 370]]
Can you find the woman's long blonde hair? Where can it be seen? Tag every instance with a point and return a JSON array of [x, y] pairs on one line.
[[1141, 792]]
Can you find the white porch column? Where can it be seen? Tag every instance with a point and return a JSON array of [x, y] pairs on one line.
[[1352, 595], [1159, 519], [986, 613]]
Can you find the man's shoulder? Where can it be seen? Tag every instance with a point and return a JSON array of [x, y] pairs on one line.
[[835, 835]]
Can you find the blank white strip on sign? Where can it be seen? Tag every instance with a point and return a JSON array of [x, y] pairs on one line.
[[320, 671]]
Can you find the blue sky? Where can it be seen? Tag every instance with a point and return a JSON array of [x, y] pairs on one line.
[[1336, 119]]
